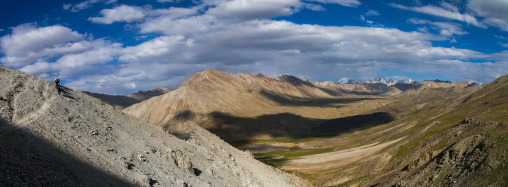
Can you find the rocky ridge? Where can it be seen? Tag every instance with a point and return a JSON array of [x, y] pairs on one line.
[[76, 140]]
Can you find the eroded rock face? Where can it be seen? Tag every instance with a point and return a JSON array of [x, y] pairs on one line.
[[76, 140], [456, 165]]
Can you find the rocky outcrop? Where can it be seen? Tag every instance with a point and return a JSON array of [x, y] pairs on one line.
[[76, 140]]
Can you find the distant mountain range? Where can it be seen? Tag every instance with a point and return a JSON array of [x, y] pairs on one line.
[[382, 80]]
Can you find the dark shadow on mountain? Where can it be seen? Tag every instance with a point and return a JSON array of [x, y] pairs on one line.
[[404, 87], [286, 125], [123, 101], [330, 91], [364, 93], [471, 85], [288, 100], [27, 160], [113, 100], [178, 126], [185, 115], [66, 92], [295, 81], [230, 127], [352, 123]]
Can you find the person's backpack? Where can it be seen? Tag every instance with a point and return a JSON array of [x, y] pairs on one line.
[[57, 81]]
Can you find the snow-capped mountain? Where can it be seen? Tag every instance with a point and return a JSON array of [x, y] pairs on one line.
[[382, 80]]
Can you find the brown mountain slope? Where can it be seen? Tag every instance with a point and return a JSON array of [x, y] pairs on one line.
[[73, 139], [121, 102], [245, 106], [441, 138], [211, 96]]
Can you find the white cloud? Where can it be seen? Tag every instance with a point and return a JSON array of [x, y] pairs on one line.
[[444, 28], [314, 7], [456, 69], [159, 47], [169, 25], [399, 77], [266, 46], [174, 12], [348, 3], [122, 13], [201, 37], [494, 12], [85, 4], [28, 43], [76, 65], [67, 6], [273, 48], [372, 13], [450, 12], [252, 9]]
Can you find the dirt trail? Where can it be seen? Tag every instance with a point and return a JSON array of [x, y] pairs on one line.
[[325, 161]]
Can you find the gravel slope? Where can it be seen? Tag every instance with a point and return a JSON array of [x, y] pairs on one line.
[[73, 139]]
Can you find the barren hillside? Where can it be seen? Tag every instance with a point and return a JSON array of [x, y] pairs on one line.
[[210, 97], [441, 137], [245, 106], [76, 140]]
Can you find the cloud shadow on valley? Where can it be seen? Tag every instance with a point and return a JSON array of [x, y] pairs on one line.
[[288, 100], [286, 125]]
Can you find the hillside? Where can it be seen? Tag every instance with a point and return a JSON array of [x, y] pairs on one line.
[[121, 102], [213, 97], [428, 133], [440, 138], [245, 106], [76, 140]]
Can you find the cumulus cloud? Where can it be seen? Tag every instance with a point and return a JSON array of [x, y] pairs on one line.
[[494, 12], [239, 36], [121, 13], [85, 4], [169, 25], [449, 12], [77, 66], [273, 48], [444, 28], [252, 9], [27, 43]]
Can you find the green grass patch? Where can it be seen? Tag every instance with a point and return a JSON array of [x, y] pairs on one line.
[[274, 161], [238, 143], [279, 159], [452, 119], [298, 152]]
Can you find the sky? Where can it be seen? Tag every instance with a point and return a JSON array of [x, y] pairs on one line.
[[124, 46]]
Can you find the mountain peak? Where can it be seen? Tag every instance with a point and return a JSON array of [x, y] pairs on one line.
[[382, 80], [159, 89]]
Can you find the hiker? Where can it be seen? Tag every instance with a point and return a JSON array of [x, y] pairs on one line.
[[58, 87]]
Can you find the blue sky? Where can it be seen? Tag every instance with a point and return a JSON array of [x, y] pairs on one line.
[[121, 47]]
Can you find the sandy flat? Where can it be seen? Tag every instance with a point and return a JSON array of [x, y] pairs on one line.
[[338, 158]]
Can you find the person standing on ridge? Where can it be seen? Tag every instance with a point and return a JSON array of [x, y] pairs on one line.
[[58, 87]]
